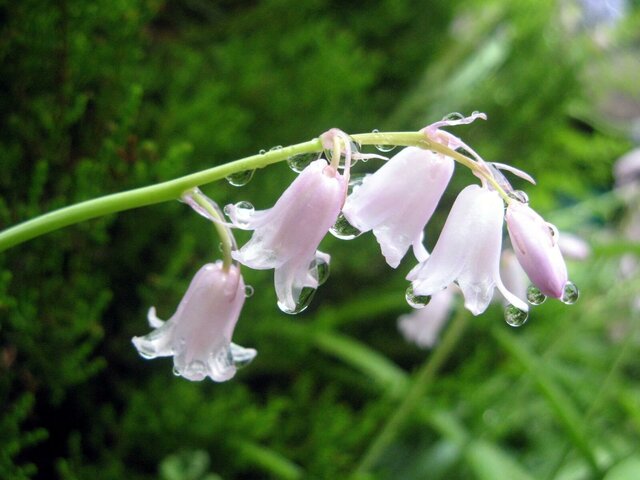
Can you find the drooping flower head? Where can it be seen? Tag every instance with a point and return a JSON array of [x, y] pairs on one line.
[[397, 201], [536, 245], [468, 252], [286, 236], [198, 335]]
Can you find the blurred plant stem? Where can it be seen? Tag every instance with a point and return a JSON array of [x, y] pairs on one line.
[[414, 395]]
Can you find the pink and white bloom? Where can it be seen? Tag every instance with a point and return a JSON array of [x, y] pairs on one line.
[[536, 245], [286, 236], [198, 335], [423, 325], [468, 252], [397, 201]]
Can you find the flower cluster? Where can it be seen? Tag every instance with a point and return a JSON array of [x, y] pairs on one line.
[[395, 203]]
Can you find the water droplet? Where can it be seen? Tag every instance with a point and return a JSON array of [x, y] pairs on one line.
[[416, 301], [248, 291], [262, 152], [535, 296], [382, 147], [298, 163], [240, 213], [570, 294], [452, 117], [276, 148], [306, 295], [319, 268], [176, 372], [343, 230], [514, 316], [240, 179], [520, 196]]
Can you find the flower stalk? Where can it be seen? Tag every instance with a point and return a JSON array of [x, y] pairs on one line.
[[213, 212], [174, 189]]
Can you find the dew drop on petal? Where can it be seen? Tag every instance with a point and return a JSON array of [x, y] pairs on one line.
[[319, 269], [298, 163], [520, 196], [343, 230], [176, 372], [535, 296], [243, 212], [452, 117], [416, 301], [570, 294], [240, 179], [248, 291], [303, 302], [514, 316]]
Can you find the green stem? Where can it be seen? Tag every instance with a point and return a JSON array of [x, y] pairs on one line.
[[224, 232], [414, 395], [173, 189]]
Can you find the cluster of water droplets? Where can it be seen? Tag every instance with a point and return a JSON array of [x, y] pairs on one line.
[[516, 317]]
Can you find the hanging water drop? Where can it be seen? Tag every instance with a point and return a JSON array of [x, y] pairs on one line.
[[343, 230], [520, 196], [306, 295], [176, 372], [319, 268], [298, 163], [514, 316], [535, 296], [383, 147], [570, 294], [416, 301], [262, 152], [248, 291], [240, 179], [452, 117]]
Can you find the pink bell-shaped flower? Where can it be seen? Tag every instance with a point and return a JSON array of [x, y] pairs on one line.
[[199, 334], [468, 252], [397, 201], [286, 236], [536, 245]]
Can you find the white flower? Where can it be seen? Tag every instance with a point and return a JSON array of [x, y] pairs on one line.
[[286, 236], [468, 252], [397, 201], [198, 335]]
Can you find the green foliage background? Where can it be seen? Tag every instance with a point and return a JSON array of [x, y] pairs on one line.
[[98, 97]]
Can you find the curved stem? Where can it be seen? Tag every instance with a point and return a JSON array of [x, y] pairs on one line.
[[173, 189], [212, 212]]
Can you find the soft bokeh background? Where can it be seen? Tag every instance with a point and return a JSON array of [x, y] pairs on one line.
[[98, 97]]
